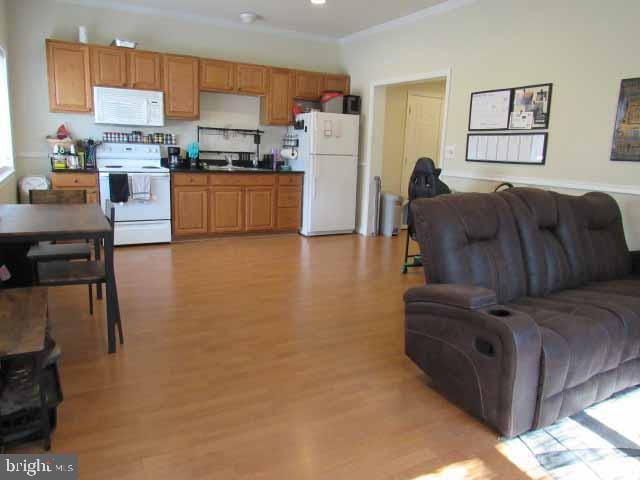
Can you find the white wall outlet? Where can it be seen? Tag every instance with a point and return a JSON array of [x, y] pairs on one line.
[[449, 152]]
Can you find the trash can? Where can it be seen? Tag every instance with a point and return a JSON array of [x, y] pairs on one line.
[[391, 213]]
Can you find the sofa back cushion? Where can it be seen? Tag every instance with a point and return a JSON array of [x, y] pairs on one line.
[[601, 234], [551, 248], [471, 239]]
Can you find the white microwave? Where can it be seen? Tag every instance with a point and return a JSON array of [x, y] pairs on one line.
[[120, 106]]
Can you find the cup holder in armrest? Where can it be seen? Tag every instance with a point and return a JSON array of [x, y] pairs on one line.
[[485, 347], [500, 312]]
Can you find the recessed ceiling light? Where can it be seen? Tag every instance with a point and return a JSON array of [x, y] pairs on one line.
[[248, 17], [318, 2]]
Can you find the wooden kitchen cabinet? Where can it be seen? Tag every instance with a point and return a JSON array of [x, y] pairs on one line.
[[278, 103], [260, 208], [69, 76], [308, 85], [77, 181], [217, 76], [145, 70], [227, 209], [181, 87], [190, 210], [252, 79], [336, 83], [221, 203], [108, 66]]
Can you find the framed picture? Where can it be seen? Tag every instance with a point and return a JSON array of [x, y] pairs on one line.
[[626, 133], [531, 106], [490, 110], [517, 148]]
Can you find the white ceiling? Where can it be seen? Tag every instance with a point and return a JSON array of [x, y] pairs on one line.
[[335, 19]]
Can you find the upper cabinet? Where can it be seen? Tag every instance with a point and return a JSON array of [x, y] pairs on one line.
[[278, 103], [252, 79], [109, 66], [336, 83], [308, 85], [181, 87], [145, 70], [69, 75], [217, 76], [75, 68]]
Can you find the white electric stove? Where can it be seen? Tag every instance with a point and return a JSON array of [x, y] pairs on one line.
[[137, 222]]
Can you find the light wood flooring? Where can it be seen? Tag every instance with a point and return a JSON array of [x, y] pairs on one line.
[[274, 357]]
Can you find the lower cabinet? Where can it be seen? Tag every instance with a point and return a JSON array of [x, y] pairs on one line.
[[190, 210], [77, 181], [227, 210], [260, 208], [211, 204]]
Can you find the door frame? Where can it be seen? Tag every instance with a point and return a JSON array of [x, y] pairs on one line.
[[406, 124], [366, 213]]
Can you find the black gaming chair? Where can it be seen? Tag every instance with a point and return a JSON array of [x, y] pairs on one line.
[[424, 183]]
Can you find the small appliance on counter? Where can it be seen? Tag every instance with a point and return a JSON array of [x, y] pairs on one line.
[[173, 156]]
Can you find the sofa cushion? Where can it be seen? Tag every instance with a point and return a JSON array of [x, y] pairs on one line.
[[601, 234], [551, 248], [471, 239], [628, 286]]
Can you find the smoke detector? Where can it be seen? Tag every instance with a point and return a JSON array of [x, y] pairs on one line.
[[248, 17]]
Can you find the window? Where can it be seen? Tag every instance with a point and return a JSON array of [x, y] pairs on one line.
[[6, 144]]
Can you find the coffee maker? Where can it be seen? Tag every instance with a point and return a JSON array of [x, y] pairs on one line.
[[173, 154]]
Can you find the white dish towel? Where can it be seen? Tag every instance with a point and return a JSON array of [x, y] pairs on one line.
[[140, 187]]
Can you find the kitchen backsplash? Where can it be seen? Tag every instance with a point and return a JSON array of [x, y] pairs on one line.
[[216, 110]]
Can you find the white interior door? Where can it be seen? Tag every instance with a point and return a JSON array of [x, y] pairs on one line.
[[422, 134], [333, 193]]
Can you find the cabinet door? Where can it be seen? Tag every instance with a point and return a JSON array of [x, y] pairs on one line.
[[190, 210], [278, 103], [260, 208], [181, 87], [251, 79], [69, 77], [308, 85], [227, 210], [336, 83], [109, 66], [217, 76], [145, 71]]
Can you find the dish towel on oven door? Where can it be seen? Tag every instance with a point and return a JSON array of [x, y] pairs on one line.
[[140, 187], [119, 187]]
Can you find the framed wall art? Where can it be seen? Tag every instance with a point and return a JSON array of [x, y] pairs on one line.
[[490, 110], [531, 107], [626, 133]]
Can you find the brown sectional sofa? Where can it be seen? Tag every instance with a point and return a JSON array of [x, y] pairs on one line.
[[531, 311]]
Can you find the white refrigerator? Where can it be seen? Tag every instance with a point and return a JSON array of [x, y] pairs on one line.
[[328, 154]]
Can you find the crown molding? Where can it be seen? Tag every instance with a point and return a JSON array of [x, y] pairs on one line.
[[438, 9], [201, 19]]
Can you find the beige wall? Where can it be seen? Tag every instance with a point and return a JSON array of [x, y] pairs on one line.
[[584, 47], [32, 21], [395, 118], [8, 185]]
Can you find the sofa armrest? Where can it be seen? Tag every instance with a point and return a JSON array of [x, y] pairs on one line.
[[635, 262], [485, 359], [464, 296]]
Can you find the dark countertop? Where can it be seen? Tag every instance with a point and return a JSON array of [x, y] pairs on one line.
[[76, 170], [243, 172]]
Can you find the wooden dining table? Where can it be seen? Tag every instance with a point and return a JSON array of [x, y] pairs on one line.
[[38, 223]]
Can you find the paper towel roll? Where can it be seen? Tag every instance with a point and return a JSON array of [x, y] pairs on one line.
[[289, 153]]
